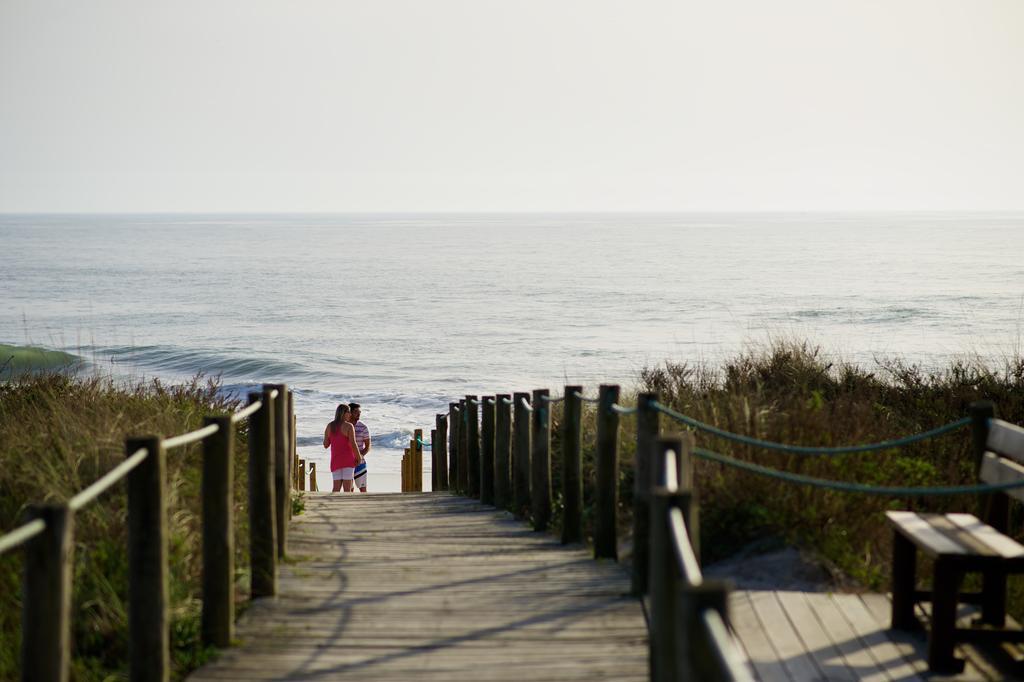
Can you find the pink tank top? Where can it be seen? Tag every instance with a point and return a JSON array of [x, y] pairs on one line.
[[342, 453]]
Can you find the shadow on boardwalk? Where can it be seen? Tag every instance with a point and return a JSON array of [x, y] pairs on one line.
[[431, 586]]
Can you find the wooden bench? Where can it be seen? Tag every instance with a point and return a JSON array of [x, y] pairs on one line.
[[961, 544]]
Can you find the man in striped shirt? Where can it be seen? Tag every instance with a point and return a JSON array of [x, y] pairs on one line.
[[363, 441]]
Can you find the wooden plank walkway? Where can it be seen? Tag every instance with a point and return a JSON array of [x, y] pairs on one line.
[[435, 587], [840, 636]]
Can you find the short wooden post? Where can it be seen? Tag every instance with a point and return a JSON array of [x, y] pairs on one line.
[[282, 494], [647, 430], [262, 510], [405, 471], [473, 445], [149, 654], [687, 481], [302, 474], [606, 492], [453, 446], [572, 466], [292, 457], [435, 470], [312, 478], [698, 660], [487, 418], [540, 464], [440, 442], [218, 616], [664, 585], [502, 451], [418, 449], [521, 454], [463, 447], [46, 596]]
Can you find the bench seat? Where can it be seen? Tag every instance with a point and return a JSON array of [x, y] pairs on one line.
[[960, 539], [959, 544]]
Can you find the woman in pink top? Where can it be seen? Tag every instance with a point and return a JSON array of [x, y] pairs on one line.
[[340, 436]]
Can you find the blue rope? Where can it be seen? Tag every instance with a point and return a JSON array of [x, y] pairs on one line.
[[420, 441], [848, 487], [809, 450]]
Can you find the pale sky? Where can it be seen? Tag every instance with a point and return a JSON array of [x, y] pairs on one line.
[[520, 105]]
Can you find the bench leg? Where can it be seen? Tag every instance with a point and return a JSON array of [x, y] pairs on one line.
[[904, 571], [942, 639], [993, 598]]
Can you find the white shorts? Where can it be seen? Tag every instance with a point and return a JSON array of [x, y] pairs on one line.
[[343, 474]]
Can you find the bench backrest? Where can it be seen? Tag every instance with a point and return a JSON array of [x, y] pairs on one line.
[[1003, 462]]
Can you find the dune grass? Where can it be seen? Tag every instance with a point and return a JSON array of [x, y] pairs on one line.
[[58, 433], [794, 392]]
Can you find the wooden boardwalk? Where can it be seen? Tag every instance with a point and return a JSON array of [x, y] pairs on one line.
[[435, 587], [836, 636], [432, 586]]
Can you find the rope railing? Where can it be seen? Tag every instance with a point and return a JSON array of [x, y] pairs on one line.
[[584, 398], [549, 399], [21, 535], [420, 441], [506, 401], [102, 484], [622, 409], [526, 405], [851, 487], [248, 411], [190, 437], [809, 449]]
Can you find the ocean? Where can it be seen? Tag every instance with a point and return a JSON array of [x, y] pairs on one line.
[[404, 313]]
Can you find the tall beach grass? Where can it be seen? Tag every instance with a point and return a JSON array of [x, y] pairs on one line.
[[59, 433]]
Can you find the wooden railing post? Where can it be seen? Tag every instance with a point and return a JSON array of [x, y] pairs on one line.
[[262, 510], [647, 430], [149, 656], [440, 442], [540, 464], [454, 416], [606, 493], [218, 616], [405, 471], [417, 446], [487, 450], [293, 455], [572, 466], [463, 447], [46, 596], [282, 493], [302, 474], [697, 645], [663, 576], [502, 451], [521, 455], [312, 478], [435, 470], [473, 445], [687, 482]]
